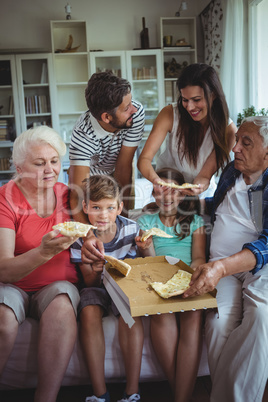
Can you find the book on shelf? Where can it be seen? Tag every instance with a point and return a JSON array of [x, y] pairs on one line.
[[44, 74], [36, 104], [144, 73], [3, 130], [11, 105], [4, 164], [115, 71]]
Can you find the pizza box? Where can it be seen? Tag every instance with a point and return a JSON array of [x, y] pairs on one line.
[[134, 296]]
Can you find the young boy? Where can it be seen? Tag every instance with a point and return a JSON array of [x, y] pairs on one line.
[[103, 206]]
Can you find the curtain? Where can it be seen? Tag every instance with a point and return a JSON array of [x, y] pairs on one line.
[[211, 20], [234, 58]]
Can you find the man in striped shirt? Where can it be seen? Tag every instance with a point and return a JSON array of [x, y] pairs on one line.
[[105, 138]]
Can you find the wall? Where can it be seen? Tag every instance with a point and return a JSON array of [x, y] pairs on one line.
[[112, 24]]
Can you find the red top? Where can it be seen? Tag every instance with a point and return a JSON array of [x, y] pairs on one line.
[[17, 214]]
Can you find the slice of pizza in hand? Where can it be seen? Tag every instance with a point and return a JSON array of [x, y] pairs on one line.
[[71, 228], [182, 186], [154, 232], [120, 265], [175, 286]]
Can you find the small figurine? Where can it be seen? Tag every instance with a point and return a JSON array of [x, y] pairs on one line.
[[68, 11]]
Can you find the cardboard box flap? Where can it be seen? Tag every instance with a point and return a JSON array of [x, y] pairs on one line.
[[136, 291]]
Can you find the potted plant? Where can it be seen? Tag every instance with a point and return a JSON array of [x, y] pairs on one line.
[[250, 111]]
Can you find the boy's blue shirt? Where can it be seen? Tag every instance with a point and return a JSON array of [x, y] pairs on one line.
[[122, 246]]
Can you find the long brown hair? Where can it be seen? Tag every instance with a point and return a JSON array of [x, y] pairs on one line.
[[190, 133], [187, 208]]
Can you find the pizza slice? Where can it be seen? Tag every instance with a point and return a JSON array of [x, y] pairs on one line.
[[174, 286], [182, 186], [154, 232], [72, 228], [120, 265]]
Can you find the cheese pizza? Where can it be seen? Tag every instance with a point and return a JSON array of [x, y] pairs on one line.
[[154, 232], [174, 286], [71, 228], [120, 265], [181, 187]]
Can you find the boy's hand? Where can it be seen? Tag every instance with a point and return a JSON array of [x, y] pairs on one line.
[[92, 250], [97, 266]]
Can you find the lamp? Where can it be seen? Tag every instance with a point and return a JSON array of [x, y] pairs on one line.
[[183, 7]]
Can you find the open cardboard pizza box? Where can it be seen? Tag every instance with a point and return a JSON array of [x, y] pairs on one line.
[[134, 296]]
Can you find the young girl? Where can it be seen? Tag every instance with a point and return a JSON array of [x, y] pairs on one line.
[[177, 338]]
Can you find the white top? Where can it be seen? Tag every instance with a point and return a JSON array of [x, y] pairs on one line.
[[173, 159], [233, 226]]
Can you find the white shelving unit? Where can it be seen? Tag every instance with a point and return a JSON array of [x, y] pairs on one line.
[[61, 78], [145, 72], [9, 113], [71, 72], [181, 52], [27, 99], [36, 90], [115, 61]]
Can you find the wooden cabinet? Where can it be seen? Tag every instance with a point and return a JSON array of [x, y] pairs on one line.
[[178, 43]]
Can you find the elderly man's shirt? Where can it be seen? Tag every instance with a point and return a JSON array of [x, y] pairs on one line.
[[233, 225], [258, 205]]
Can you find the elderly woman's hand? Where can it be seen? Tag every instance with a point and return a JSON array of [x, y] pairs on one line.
[[53, 244]]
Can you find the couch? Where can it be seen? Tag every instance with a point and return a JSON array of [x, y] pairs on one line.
[[21, 368]]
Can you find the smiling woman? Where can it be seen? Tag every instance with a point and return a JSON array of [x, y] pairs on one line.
[[198, 132], [36, 275]]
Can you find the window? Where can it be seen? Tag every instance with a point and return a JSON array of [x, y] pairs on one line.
[[258, 53]]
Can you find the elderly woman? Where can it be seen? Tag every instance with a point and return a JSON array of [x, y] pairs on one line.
[[36, 275]]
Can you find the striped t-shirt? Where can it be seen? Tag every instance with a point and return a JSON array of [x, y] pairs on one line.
[[122, 246], [98, 149]]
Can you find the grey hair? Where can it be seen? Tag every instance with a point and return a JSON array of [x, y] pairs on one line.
[[262, 123], [39, 134]]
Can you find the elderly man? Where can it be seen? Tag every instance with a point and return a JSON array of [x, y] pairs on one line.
[[237, 337]]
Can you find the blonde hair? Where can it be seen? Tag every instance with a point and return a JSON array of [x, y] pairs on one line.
[[40, 134], [99, 187]]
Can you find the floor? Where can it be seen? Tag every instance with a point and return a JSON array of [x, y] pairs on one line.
[[151, 392]]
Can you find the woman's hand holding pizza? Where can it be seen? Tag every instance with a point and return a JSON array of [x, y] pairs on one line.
[[52, 244]]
